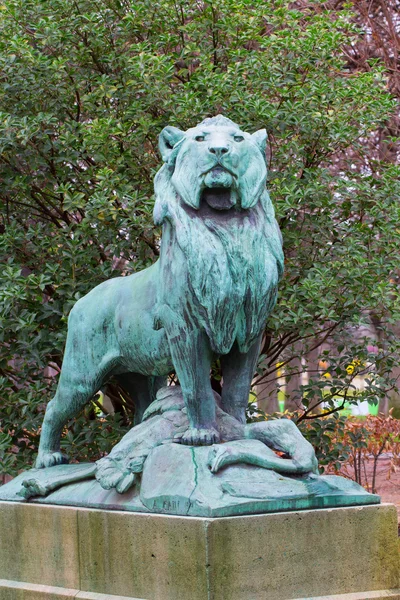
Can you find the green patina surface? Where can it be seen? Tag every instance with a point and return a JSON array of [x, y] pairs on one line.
[[148, 471], [208, 295], [178, 481]]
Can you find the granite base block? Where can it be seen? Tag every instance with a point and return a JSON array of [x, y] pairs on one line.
[[58, 553]]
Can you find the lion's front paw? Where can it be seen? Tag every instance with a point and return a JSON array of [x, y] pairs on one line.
[[50, 459], [200, 437], [112, 474]]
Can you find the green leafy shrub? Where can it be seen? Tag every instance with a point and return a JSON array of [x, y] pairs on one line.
[[86, 88]]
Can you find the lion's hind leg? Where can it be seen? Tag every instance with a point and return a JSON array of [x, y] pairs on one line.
[[58, 411], [76, 387], [142, 389]]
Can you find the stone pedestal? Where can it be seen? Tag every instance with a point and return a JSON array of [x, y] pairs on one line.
[[60, 553]]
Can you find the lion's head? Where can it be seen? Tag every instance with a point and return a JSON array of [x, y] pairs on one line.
[[211, 196], [216, 162]]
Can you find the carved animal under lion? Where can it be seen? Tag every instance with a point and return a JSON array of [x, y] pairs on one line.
[[208, 295]]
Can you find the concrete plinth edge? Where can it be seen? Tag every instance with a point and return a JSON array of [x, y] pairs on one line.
[[378, 595], [60, 553], [31, 591]]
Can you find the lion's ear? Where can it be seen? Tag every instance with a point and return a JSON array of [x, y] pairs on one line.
[[253, 180], [168, 138], [260, 138]]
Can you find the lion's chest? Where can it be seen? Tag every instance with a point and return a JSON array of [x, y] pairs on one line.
[[229, 304], [220, 275]]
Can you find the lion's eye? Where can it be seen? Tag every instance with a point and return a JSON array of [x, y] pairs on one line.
[[199, 138], [238, 138]]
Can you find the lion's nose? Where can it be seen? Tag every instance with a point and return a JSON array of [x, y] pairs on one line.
[[218, 150]]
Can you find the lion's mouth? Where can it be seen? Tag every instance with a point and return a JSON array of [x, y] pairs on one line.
[[219, 198], [218, 189]]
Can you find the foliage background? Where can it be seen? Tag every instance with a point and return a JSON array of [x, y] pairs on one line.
[[86, 87]]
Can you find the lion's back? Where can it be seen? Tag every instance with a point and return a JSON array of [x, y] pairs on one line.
[[104, 302]]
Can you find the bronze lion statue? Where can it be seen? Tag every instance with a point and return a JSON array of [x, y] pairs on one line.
[[208, 295]]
